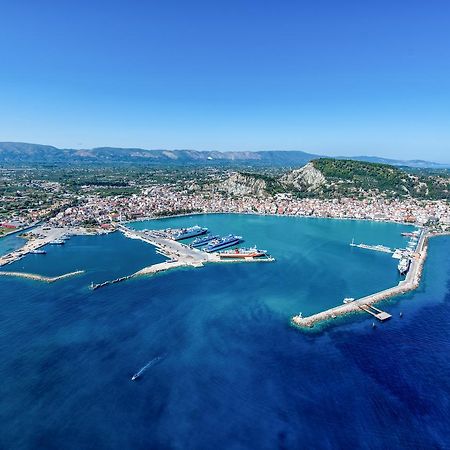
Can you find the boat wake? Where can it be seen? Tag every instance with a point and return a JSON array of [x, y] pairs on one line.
[[151, 363]]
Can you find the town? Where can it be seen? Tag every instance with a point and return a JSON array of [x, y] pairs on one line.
[[94, 210]]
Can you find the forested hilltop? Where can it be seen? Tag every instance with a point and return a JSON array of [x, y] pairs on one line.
[[334, 178]]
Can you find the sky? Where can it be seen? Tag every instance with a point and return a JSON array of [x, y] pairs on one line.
[[329, 77]]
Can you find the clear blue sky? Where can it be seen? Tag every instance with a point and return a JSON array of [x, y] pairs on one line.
[[349, 77]]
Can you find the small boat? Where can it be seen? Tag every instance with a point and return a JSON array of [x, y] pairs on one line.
[[348, 300], [143, 369], [38, 252], [57, 242]]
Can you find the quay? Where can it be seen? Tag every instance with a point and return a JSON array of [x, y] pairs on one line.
[[34, 276], [178, 254], [410, 283]]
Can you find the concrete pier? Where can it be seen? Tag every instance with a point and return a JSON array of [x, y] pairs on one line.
[[377, 248], [410, 283]]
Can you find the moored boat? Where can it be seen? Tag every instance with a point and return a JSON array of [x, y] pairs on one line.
[[242, 253], [38, 252], [403, 266], [225, 242], [201, 241], [186, 233], [57, 242]]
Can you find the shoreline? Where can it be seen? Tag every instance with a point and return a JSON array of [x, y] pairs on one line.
[[411, 283], [255, 213]]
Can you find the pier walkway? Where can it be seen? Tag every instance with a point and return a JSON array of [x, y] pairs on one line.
[[378, 248], [375, 312]]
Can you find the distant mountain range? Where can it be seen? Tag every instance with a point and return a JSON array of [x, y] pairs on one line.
[[23, 153]]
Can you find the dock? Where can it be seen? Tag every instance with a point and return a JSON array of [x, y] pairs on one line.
[[377, 248], [375, 312]]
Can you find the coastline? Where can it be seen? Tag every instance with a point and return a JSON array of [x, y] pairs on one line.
[[411, 283], [256, 213]]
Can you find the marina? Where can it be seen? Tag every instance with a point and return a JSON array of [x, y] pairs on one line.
[[366, 303]]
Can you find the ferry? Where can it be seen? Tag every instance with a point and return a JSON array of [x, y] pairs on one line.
[[186, 233], [225, 242], [403, 266], [199, 242], [242, 253]]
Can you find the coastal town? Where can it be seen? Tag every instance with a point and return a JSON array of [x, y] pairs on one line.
[[95, 211]]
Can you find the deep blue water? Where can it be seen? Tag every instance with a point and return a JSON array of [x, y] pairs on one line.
[[235, 374]]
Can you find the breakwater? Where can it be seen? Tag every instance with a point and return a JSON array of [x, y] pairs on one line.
[[410, 283], [37, 277]]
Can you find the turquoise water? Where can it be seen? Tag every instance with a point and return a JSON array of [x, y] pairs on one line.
[[233, 373], [315, 266]]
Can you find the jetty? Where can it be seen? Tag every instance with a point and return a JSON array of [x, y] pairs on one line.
[[377, 248], [34, 276], [410, 283]]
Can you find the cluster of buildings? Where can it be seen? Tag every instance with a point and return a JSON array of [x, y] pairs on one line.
[[165, 200]]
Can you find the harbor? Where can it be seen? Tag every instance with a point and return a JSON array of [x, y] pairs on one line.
[[365, 304], [179, 255]]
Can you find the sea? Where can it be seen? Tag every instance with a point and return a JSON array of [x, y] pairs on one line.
[[220, 365]]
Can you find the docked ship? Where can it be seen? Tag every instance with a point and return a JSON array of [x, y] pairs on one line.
[[403, 266], [242, 253], [201, 241], [186, 233], [38, 252], [225, 242]]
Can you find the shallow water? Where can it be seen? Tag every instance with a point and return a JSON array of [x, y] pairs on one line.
[[234, 374]]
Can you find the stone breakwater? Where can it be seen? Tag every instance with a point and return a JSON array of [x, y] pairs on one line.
[[411, 283], [34, 276]]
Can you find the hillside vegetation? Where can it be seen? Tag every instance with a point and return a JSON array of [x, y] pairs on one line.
[[345, 177], [332, 178]]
